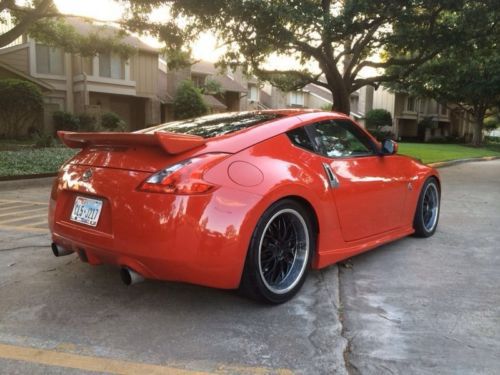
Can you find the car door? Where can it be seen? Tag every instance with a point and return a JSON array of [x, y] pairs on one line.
[[369, 190]]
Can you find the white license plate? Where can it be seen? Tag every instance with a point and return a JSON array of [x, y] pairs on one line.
[[86, 211]]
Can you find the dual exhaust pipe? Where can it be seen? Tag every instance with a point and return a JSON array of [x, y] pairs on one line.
[[128, 276], [60, 251]]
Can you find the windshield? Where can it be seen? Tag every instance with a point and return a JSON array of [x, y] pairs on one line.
[[215, 125]]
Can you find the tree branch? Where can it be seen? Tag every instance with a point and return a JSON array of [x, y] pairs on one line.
[[360, 45], [4, 4], [32, 15]]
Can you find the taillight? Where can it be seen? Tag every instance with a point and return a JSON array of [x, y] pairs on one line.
[[185, 177]]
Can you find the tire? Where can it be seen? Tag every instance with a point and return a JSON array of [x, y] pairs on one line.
[[427, 213], [279, 254]]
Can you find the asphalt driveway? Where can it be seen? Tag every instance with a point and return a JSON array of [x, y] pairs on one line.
[[414, 306]]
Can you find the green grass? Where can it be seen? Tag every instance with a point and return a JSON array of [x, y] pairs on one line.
[[33, 161], [25, 161], [434, 152]]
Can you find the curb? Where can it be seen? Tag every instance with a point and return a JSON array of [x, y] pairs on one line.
[[27, 176], [442, 164]]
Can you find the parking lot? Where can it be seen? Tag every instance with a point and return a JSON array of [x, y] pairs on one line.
[[414, 306]]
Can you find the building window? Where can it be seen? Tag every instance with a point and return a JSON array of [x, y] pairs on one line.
[[411, 104], [444, 110], [198, 80], [354, 104], [297, 98], [87, 65], [111, 65], [253, 93], [49, 60]]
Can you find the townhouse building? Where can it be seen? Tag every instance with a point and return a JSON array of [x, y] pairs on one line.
[[107, 82]]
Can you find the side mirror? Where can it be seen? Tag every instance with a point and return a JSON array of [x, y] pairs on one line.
[[389, 147]]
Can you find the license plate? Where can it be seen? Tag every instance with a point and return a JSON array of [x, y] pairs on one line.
[[86, 211]]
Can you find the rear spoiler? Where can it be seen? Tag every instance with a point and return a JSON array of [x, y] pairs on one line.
[[172, 143]]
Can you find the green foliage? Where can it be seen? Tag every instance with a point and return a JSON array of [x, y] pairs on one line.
[[212, 87], [65, 121], [33, 161], [86, 122], [21, 106], [376, 118], [466, 74], [58, 33], [326, 107], [382, 133], [42, 21], [341, 38], [431, 153], [110, 121], [43, 140], [491, 123], [428, 123], [188, 102]]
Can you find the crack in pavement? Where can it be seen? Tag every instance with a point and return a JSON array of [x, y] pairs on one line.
[[350, 368]]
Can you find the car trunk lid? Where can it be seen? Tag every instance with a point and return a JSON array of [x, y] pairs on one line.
[[130, 151]]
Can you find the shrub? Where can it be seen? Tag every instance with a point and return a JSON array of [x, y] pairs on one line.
[[65, 121], [382, 133], [212, 87], [43, 140], [21, 105], [188, 102], [491, 123], [110, 121], [377, 118], [86, 122]]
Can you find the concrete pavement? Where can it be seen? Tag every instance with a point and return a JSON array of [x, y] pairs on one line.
[[424, 306], [60, 305], [432, 306]]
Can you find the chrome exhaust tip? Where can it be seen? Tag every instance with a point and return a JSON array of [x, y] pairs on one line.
[[60, 251], [130, 277]]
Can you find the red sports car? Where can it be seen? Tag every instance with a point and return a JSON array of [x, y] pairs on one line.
[[247, 200]]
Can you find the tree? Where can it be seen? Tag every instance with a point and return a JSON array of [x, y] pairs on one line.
[[334, 41], [24, 17], [41, 20], [466, 75], [188, 102], [21, 104]]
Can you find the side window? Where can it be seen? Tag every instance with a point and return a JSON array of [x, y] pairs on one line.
[[340, 138], [300, 138]]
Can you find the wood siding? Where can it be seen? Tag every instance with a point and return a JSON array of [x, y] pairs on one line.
[[144, 71], [18, 59]]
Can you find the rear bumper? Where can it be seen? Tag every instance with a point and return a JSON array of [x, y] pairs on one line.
[[199, 239]]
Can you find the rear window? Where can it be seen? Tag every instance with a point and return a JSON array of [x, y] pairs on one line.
[[215, 125]]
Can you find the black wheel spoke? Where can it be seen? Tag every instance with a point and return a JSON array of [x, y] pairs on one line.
[[430, 204], [285, 237]]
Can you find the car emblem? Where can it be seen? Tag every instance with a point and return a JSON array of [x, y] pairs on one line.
[[86, 175], [410, 186]]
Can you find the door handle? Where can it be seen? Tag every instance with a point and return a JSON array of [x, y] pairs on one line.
[[332, 179]]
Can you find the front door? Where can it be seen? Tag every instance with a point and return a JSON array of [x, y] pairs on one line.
[[369, 191]]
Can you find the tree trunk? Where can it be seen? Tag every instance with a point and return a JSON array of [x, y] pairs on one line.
[[477, 130], [341, 101]]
